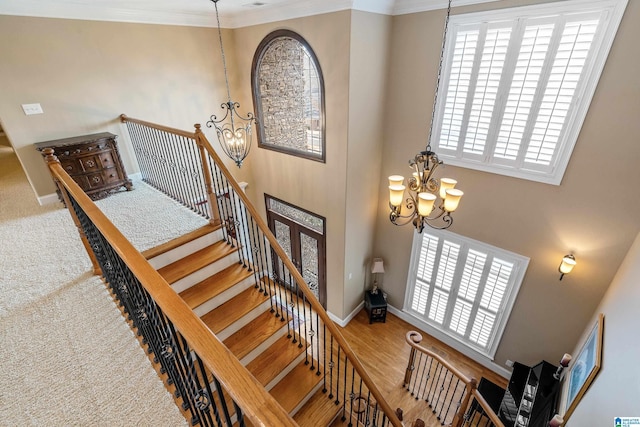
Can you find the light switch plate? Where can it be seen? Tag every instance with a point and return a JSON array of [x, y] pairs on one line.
[[30, 109]]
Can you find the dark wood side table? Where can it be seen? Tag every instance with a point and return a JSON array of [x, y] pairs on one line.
[[376, 306], [93, 161]]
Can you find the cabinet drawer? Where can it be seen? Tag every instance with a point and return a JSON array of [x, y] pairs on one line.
[[111, 175], [72, 167], [89, 163], [106, 159], [95, 180]]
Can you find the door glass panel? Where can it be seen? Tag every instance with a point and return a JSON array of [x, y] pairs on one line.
[[310, 270], [283, 236], [304, 218]]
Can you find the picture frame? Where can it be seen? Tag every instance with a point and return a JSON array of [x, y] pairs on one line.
[[584, 368]]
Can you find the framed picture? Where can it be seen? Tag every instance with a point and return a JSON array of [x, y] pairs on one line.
[[585, 368]]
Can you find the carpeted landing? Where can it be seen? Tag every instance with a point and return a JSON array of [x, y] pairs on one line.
[[68, 358]]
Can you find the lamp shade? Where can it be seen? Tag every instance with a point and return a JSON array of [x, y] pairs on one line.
[[446, 184], [453, 199], [568, 262], [425, 203], [396, 180], [377, 266], [396, 193]]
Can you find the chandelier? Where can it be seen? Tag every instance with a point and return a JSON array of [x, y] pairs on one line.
[[233, 130], [429, 201]]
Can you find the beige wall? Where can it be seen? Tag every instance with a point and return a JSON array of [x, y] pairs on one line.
[[594, 213], [616, 390], [315, 186], [86, 73], [370, 35]]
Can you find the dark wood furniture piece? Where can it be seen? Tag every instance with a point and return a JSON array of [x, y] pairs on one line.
[[93, 161], [376, 306], [530, 399]]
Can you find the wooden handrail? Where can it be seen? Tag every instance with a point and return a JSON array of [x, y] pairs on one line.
[[414, 338], [256, 403], [353, 358], [124, 118], [492, 416]]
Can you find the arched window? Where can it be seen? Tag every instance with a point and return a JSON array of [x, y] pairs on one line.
[[288, 94]]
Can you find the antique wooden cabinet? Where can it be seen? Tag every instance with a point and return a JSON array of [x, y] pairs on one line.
[[93, 161]]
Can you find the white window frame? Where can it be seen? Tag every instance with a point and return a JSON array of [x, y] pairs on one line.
[[611, 12], [441, 331]]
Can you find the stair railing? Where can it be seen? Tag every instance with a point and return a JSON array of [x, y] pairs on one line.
[[344, 379], [212, 385], [445, 389]]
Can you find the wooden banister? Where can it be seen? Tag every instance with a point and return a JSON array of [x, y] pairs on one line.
[[414, 339], [256, 403]]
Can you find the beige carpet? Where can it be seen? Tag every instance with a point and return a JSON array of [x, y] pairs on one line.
[[68, 358]]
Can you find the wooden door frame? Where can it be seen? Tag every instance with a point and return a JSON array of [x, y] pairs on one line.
[[272, 216]]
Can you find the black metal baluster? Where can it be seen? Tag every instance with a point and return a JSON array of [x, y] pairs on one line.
[[223, 402], [324, 357], [352, 396], [318, 373], [438, 400], [331, 365], [434, 380], [419, 377], [433, 369], [344, 391]]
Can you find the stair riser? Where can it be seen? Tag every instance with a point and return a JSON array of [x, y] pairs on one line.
[[185, 250], [243, 321], [265, 344], [207, 271], [224, 296]]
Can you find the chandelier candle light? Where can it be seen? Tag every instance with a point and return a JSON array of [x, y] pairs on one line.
[[430, 201], [235, 135]]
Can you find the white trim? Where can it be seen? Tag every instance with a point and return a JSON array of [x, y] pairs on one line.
[[48, 199], [202, 15], [351, 315], [471, 354], [403, 7], [135, 176]]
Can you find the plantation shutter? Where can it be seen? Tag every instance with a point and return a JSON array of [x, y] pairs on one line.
[[512, 91], [461, 286]]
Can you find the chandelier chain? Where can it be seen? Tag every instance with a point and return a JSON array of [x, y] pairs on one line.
[[435, 98], [224, 59]]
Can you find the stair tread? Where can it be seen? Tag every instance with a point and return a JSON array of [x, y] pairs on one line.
[[195, 261], [318, 411], [234, 309], [253, 334], [295, 386], [179, 241], [275, 359], [212, 286]]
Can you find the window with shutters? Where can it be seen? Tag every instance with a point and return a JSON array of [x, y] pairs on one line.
[[517, 83], [462, 287]]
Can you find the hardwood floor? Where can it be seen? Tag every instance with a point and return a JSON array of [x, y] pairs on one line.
[[383, 351]]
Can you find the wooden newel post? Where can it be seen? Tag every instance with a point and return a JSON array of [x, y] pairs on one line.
[[206, 171], [416, 338], [54, 163], [458, 419]]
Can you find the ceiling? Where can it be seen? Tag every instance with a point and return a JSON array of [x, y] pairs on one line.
[[233, 13]]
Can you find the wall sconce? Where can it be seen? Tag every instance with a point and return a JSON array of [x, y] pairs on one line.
[[377, 267], [567, 264]]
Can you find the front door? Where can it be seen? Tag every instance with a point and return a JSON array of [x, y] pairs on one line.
[[302, 236]]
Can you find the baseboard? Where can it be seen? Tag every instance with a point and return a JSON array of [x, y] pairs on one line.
[[351, 315], [135, 176], [482, 360], [48, 199]]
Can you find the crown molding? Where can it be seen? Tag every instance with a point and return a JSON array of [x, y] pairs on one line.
[[202, 15], [403, 7]]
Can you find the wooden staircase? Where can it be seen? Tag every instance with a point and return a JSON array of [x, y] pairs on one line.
[[205, 271]]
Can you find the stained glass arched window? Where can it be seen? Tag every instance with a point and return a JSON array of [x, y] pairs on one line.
[[288, 94]]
